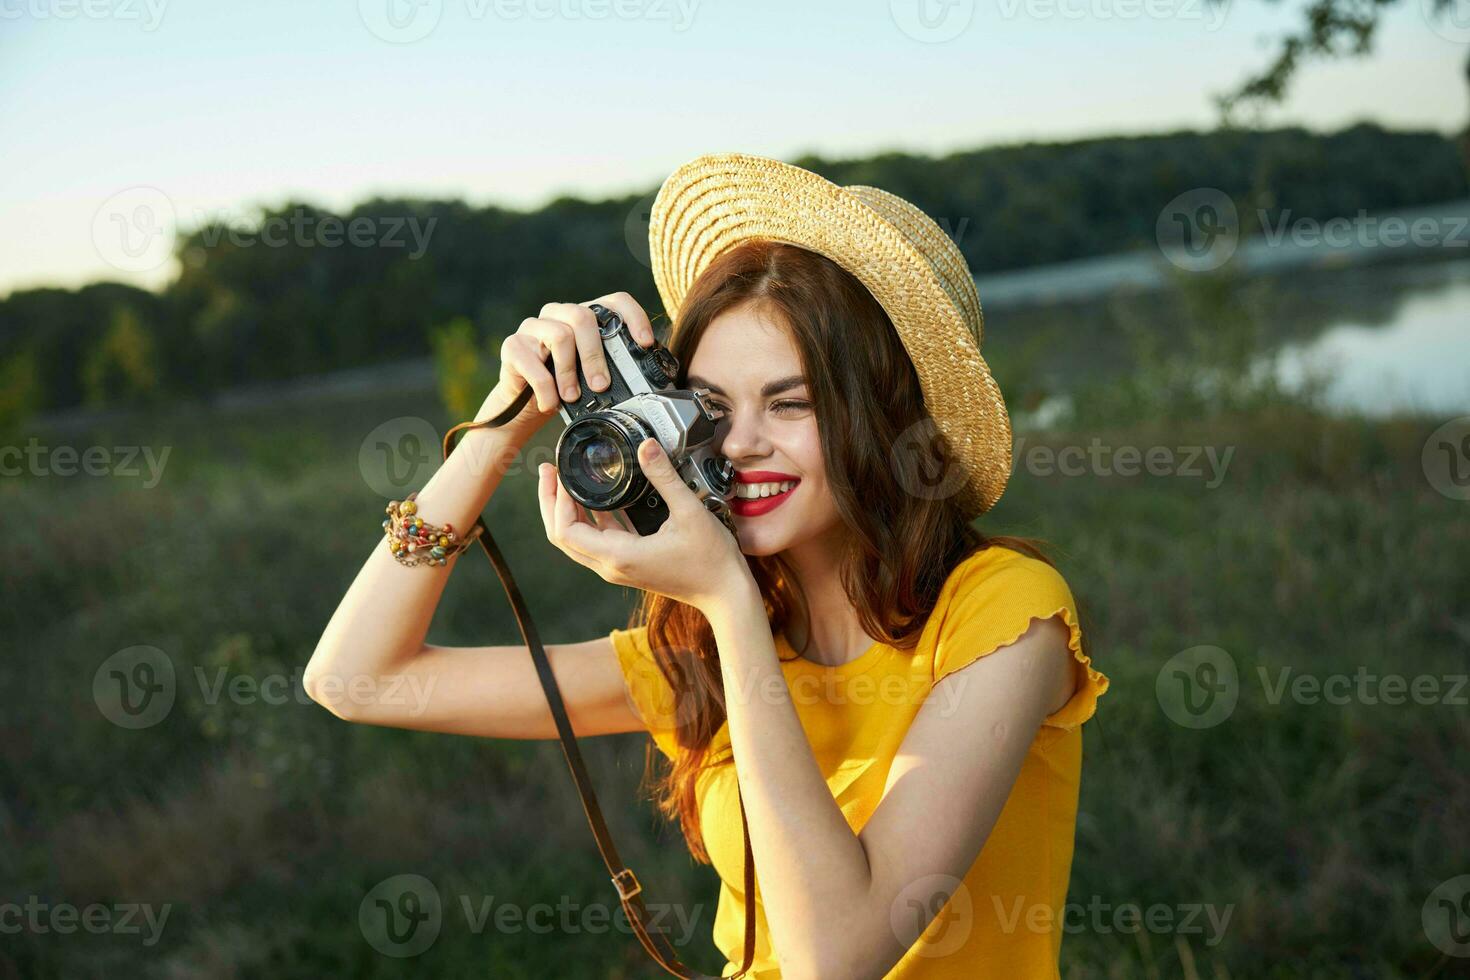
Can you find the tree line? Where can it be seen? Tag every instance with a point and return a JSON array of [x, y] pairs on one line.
[[302, 290]]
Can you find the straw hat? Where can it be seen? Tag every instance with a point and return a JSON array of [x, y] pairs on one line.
[[912, 268]]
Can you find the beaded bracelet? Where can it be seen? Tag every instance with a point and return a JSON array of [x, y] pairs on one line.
[[415, 542]]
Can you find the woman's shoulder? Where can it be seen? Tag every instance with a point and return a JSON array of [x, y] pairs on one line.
[[990, 600], [997, 571]]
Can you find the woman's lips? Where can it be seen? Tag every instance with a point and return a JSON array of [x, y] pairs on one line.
[[756, 506]]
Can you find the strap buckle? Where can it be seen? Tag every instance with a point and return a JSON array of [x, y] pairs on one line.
[[618, 884]]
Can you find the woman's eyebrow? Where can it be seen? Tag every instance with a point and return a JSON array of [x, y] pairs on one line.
[[767, 390]]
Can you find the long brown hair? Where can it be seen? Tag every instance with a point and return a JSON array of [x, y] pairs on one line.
[[901, 546]]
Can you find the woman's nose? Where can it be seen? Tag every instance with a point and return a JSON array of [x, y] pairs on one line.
[[743, 437]]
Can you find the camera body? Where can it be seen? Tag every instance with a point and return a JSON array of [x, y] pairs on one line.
[[596, 454]]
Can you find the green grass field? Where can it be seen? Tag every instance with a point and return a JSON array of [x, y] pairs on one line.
[[262, 822]]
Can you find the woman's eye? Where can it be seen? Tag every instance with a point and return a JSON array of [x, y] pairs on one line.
[[791, 406]]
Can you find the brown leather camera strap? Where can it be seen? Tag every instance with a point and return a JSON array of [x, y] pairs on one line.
[[624, 880]]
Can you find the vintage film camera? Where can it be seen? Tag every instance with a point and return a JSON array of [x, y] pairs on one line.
[[596, 453]]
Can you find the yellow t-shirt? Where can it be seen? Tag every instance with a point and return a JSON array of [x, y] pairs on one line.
[[1005, 918]]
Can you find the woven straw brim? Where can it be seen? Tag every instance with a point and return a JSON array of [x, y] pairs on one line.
[[911, 267]]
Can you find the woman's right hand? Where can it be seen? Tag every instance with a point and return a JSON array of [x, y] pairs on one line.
[[568, 332]]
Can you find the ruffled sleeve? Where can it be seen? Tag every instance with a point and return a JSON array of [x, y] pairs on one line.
[[649, 693], [994, 601]]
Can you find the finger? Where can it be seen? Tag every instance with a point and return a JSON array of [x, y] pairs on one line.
[[660, 471], [606, 520], [588, 340], [549, 491], [520, 356], [577, 537], [557, 338], [546, 481], [627, 307]]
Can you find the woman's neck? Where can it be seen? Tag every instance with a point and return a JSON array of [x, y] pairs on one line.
[[828, 630]]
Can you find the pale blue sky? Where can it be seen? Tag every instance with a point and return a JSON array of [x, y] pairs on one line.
[[224, 106]]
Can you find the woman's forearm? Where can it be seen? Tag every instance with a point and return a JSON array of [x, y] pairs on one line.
[[385, 614], [812, 867]]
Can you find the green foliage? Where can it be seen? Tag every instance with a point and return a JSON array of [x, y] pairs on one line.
[[464, 377], [121, 369], [295, 291], [265, 820], [20, 392]]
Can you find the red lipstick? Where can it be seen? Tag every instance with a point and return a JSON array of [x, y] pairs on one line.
[[755, 506]]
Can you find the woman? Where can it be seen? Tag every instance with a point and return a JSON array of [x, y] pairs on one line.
[[900, 696]]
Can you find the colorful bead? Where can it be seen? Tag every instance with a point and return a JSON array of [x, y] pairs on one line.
[[437, 552], [409, 507]]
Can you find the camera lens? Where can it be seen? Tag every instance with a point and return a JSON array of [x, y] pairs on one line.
[[599, 460], [595, 456]]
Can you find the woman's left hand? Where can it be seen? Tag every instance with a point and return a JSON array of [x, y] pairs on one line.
[[692, 558]]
